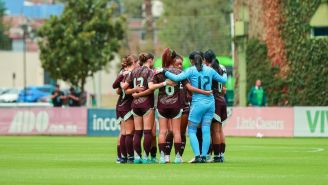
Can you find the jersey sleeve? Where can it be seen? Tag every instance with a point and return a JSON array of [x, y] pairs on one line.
[[150, 76], [177, 78], [128, 79], [219, 78], [117, 82]]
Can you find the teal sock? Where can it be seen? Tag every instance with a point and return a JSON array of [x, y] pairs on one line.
[[206, 131], [193, 140]]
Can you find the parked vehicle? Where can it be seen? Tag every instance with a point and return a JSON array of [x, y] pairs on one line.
[[35, 93], [9, 95]]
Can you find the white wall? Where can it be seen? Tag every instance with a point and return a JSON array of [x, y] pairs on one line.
[[12, 62]]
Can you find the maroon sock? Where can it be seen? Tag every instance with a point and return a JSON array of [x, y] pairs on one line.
[[122, 146], [169, 143], [200, 138], [129, 145], [153, 151], [147, 141], [210, 149], [183, 142], [216, 149], [161, 147], [223, 146], [137, 141], [177, 147], [118, 150]]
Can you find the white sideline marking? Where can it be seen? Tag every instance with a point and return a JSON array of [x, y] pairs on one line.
[[316, 150], [312, 150]]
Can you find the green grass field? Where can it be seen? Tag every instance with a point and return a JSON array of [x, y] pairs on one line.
[[90, 160]]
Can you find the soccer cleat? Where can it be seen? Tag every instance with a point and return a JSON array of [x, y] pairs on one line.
[[209, 158], [203, 159], [130, 160], [153, 160], [162, 158], [217, 159], [178, 159], [222, 157], [118, 160], [137, 160], [123, 160], [167, 158], [145, 161], [197, 159]]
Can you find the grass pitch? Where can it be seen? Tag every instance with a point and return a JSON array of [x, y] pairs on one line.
[[91, 160]]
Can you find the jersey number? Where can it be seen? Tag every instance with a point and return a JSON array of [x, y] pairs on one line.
[[169, 90], [140, 80], [220, 87], [206, 81]]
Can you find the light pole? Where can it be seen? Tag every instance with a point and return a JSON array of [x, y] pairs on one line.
[[25, 27]]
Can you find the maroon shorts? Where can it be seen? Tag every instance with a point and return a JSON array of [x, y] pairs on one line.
[[125, 115], [186, 110], [220, 114], [169, 113], [141, 111]]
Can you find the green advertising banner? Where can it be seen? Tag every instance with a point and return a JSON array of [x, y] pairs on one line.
[[311, 121]]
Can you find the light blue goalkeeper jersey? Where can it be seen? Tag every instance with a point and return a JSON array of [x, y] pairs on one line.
[[199, 79]]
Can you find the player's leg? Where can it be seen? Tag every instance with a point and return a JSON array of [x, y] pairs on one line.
[[153, 150], [163, 127], [215, 140], [195, 116], [183, 128], [118, 149], [176, 124], [138, 125], [129, 130], [222, 142], [206, 130], [148, 123], [122, 143], [169, 141]]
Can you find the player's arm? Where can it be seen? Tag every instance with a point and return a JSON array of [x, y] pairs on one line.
[[196, 90], [177, 78], [117, 82], [143, 93], [219, 78]]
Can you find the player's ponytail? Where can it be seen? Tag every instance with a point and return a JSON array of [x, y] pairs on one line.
[[198, 62], [143, 57], [168, 57]]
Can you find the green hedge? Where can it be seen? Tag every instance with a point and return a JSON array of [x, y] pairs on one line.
[[259, 67], [308, 57]]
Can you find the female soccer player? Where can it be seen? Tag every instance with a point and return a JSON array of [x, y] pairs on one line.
[[220, 115], [116, 85], [125, 113], [142, 105], [185, 98], [202, 106]]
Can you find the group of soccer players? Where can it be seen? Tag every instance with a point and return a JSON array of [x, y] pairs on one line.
[[193, 98]]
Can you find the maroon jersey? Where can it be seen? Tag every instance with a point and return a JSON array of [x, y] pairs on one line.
[[124, 104], [116, 85], [185, 98], [140, 76], [168, 96], [217, 88]]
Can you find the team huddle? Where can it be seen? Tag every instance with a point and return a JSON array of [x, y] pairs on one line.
[[193, 98]]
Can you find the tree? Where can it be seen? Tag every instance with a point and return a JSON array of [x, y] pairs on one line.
[[190, 25], [5, 43], [81, 41]]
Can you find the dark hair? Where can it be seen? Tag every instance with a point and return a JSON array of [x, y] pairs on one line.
[[57, 85], [198, 62], [124, 62], [131, 59], [168, 57], [71, 89], [192, 54], [177, 57], [143, 57], [209, 55]]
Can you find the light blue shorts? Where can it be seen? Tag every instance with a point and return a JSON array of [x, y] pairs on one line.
[[201, 112]]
